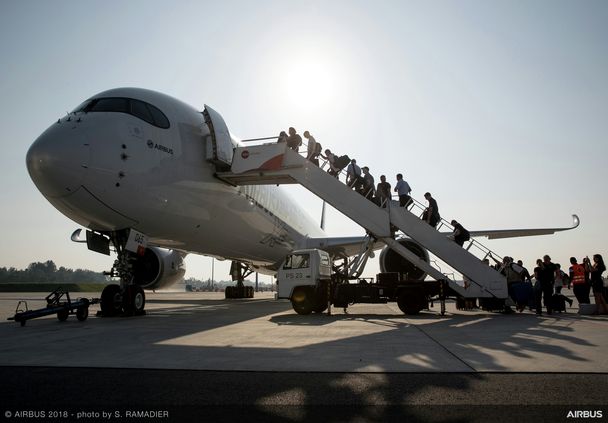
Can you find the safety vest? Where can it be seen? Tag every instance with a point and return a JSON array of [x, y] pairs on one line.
[[578, 274]]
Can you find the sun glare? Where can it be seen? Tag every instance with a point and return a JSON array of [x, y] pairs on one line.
[[310, 84]]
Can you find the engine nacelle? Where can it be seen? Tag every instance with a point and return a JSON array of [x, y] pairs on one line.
[[159, 268], [390, 261]]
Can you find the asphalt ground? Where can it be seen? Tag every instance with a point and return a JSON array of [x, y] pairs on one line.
[[198, 357], [178, 395]]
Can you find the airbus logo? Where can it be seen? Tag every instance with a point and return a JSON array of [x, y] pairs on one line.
[[160, 147], [585, 414]]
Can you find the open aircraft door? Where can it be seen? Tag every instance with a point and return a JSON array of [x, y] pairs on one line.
[[220, 150]]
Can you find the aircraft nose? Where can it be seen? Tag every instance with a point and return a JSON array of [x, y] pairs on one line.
[[57, 160]]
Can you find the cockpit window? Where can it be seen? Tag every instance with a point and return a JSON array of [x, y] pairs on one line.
[[110, 105], [137, 108]]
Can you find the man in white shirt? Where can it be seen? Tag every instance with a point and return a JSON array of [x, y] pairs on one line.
[[353, 176], [403, 189]]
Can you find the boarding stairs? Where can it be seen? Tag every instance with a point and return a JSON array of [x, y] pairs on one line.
[[276, 164]]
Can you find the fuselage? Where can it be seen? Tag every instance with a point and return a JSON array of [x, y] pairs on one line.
[[134, 158]]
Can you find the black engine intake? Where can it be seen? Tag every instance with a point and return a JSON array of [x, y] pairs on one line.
[[159, 268], [390, 261]]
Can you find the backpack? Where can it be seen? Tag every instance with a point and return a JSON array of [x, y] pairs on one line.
[[318, 148]]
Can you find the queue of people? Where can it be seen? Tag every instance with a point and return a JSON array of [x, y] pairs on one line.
[[362, 181], [549, 281]]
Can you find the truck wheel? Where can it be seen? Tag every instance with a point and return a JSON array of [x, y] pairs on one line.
[[320, 308], [320, 303], [62, 315], [411, 302], [302, 300], [82, 313]]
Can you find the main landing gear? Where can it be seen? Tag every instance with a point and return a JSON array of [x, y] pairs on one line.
[[239, 272], [128, 298]]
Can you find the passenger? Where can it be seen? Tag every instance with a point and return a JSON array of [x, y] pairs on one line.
[[431, 213], [578, 279], [561, 280], [331, 159], [383, 192], [368, 184], [460, 234], [353, 176], [547, 281], [311, 148], [282, 137], [525, 275], [294, 141], [512, 273], [316, 153], [402, 188], [597, 284]]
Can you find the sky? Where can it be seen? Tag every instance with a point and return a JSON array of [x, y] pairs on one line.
[[500, 108]]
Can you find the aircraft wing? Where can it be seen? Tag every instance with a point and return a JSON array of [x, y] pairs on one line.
[[341, 246], [350, 246], [514, 233]]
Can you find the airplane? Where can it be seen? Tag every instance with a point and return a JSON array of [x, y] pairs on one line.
[[137, 168]]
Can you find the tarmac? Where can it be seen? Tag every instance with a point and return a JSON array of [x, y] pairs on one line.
[[257, 360]]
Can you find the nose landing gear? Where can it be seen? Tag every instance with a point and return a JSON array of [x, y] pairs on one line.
[[128, 298]]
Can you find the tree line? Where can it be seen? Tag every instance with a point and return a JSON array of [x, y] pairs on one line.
[[42, 272], [209, 285]]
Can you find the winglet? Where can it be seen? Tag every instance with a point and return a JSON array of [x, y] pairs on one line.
[[575, 221]]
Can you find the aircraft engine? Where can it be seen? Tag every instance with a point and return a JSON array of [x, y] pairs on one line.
[[390, 261], [159, 268]]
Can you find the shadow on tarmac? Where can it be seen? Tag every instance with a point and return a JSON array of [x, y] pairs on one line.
[[198, 395]]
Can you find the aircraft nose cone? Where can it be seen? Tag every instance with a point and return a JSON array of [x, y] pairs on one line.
[[57, 161]]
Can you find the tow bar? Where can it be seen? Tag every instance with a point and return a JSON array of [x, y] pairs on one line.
[[54, 304]]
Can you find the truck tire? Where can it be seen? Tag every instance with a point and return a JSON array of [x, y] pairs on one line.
[[412, 302], [320, 307], [320, 301], [302, 300]]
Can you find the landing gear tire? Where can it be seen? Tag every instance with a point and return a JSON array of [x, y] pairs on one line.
[[411, 303], [111, 301], [302, 300], [82, 313], [134, 300], [62, 315], [228, 292]]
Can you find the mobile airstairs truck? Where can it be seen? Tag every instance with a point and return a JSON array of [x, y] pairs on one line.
[[277, 164]]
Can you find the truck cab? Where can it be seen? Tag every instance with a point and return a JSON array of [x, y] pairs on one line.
[[304, 278]]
